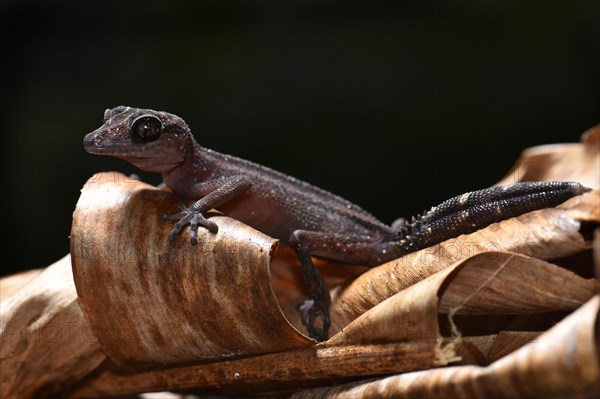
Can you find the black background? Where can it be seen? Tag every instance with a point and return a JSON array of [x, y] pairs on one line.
[[395, 108]]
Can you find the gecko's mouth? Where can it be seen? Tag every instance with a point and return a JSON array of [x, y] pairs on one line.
[[104, 147], [95, 143]]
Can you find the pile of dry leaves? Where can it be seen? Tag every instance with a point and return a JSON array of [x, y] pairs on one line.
[[508, 311]]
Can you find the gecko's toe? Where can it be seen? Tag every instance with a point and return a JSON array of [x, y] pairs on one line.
[[170, 216], [199, 220], [173, 233], [191, 217], [310, 313], [182, 222], [194, 234]]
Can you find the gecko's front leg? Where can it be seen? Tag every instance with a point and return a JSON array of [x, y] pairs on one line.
[[226, 190]]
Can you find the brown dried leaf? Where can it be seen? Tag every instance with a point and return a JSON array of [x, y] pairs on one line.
[[485, 349], [10, 285], [584, 208], [152, 301], [343, 357], [564, 162], [47, 342], [562, 362], [285, 371], [398, 335], [484, 284], [507, 283]]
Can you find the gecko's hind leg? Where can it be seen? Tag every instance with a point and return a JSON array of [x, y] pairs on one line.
[[357, 249], [317, 307]]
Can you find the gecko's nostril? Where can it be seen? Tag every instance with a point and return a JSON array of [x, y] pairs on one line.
[[87, 141]]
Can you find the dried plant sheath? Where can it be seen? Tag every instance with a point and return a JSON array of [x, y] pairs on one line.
[[152, 301]]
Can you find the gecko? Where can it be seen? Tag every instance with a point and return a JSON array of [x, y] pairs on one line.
[[312, 221]]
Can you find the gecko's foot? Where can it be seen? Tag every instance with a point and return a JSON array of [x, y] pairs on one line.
[[194, 218], [310, 311]]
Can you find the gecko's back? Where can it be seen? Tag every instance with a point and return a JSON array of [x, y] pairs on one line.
[[276, 203]]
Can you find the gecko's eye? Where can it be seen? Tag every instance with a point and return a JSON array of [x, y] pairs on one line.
[[146, 128]]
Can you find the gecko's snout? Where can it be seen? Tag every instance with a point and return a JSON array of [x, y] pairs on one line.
[[89, 141], [94, 143]]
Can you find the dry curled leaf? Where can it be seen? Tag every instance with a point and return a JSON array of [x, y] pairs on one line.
[[12, 284], [560, 363], [47, 343], [578, 162], [169, 301], [508, 283], [398, 335]]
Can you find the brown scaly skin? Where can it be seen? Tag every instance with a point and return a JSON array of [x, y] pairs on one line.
[[310, 220]]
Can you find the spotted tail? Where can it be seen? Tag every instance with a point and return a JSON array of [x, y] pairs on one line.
[[475, 210]]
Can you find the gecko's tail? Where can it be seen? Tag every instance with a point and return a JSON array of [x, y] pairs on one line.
[[475, 210]]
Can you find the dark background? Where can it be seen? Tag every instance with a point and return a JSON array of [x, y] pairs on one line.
[[396, 109]]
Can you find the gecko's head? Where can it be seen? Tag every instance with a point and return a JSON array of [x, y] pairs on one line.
[[151, 140]]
